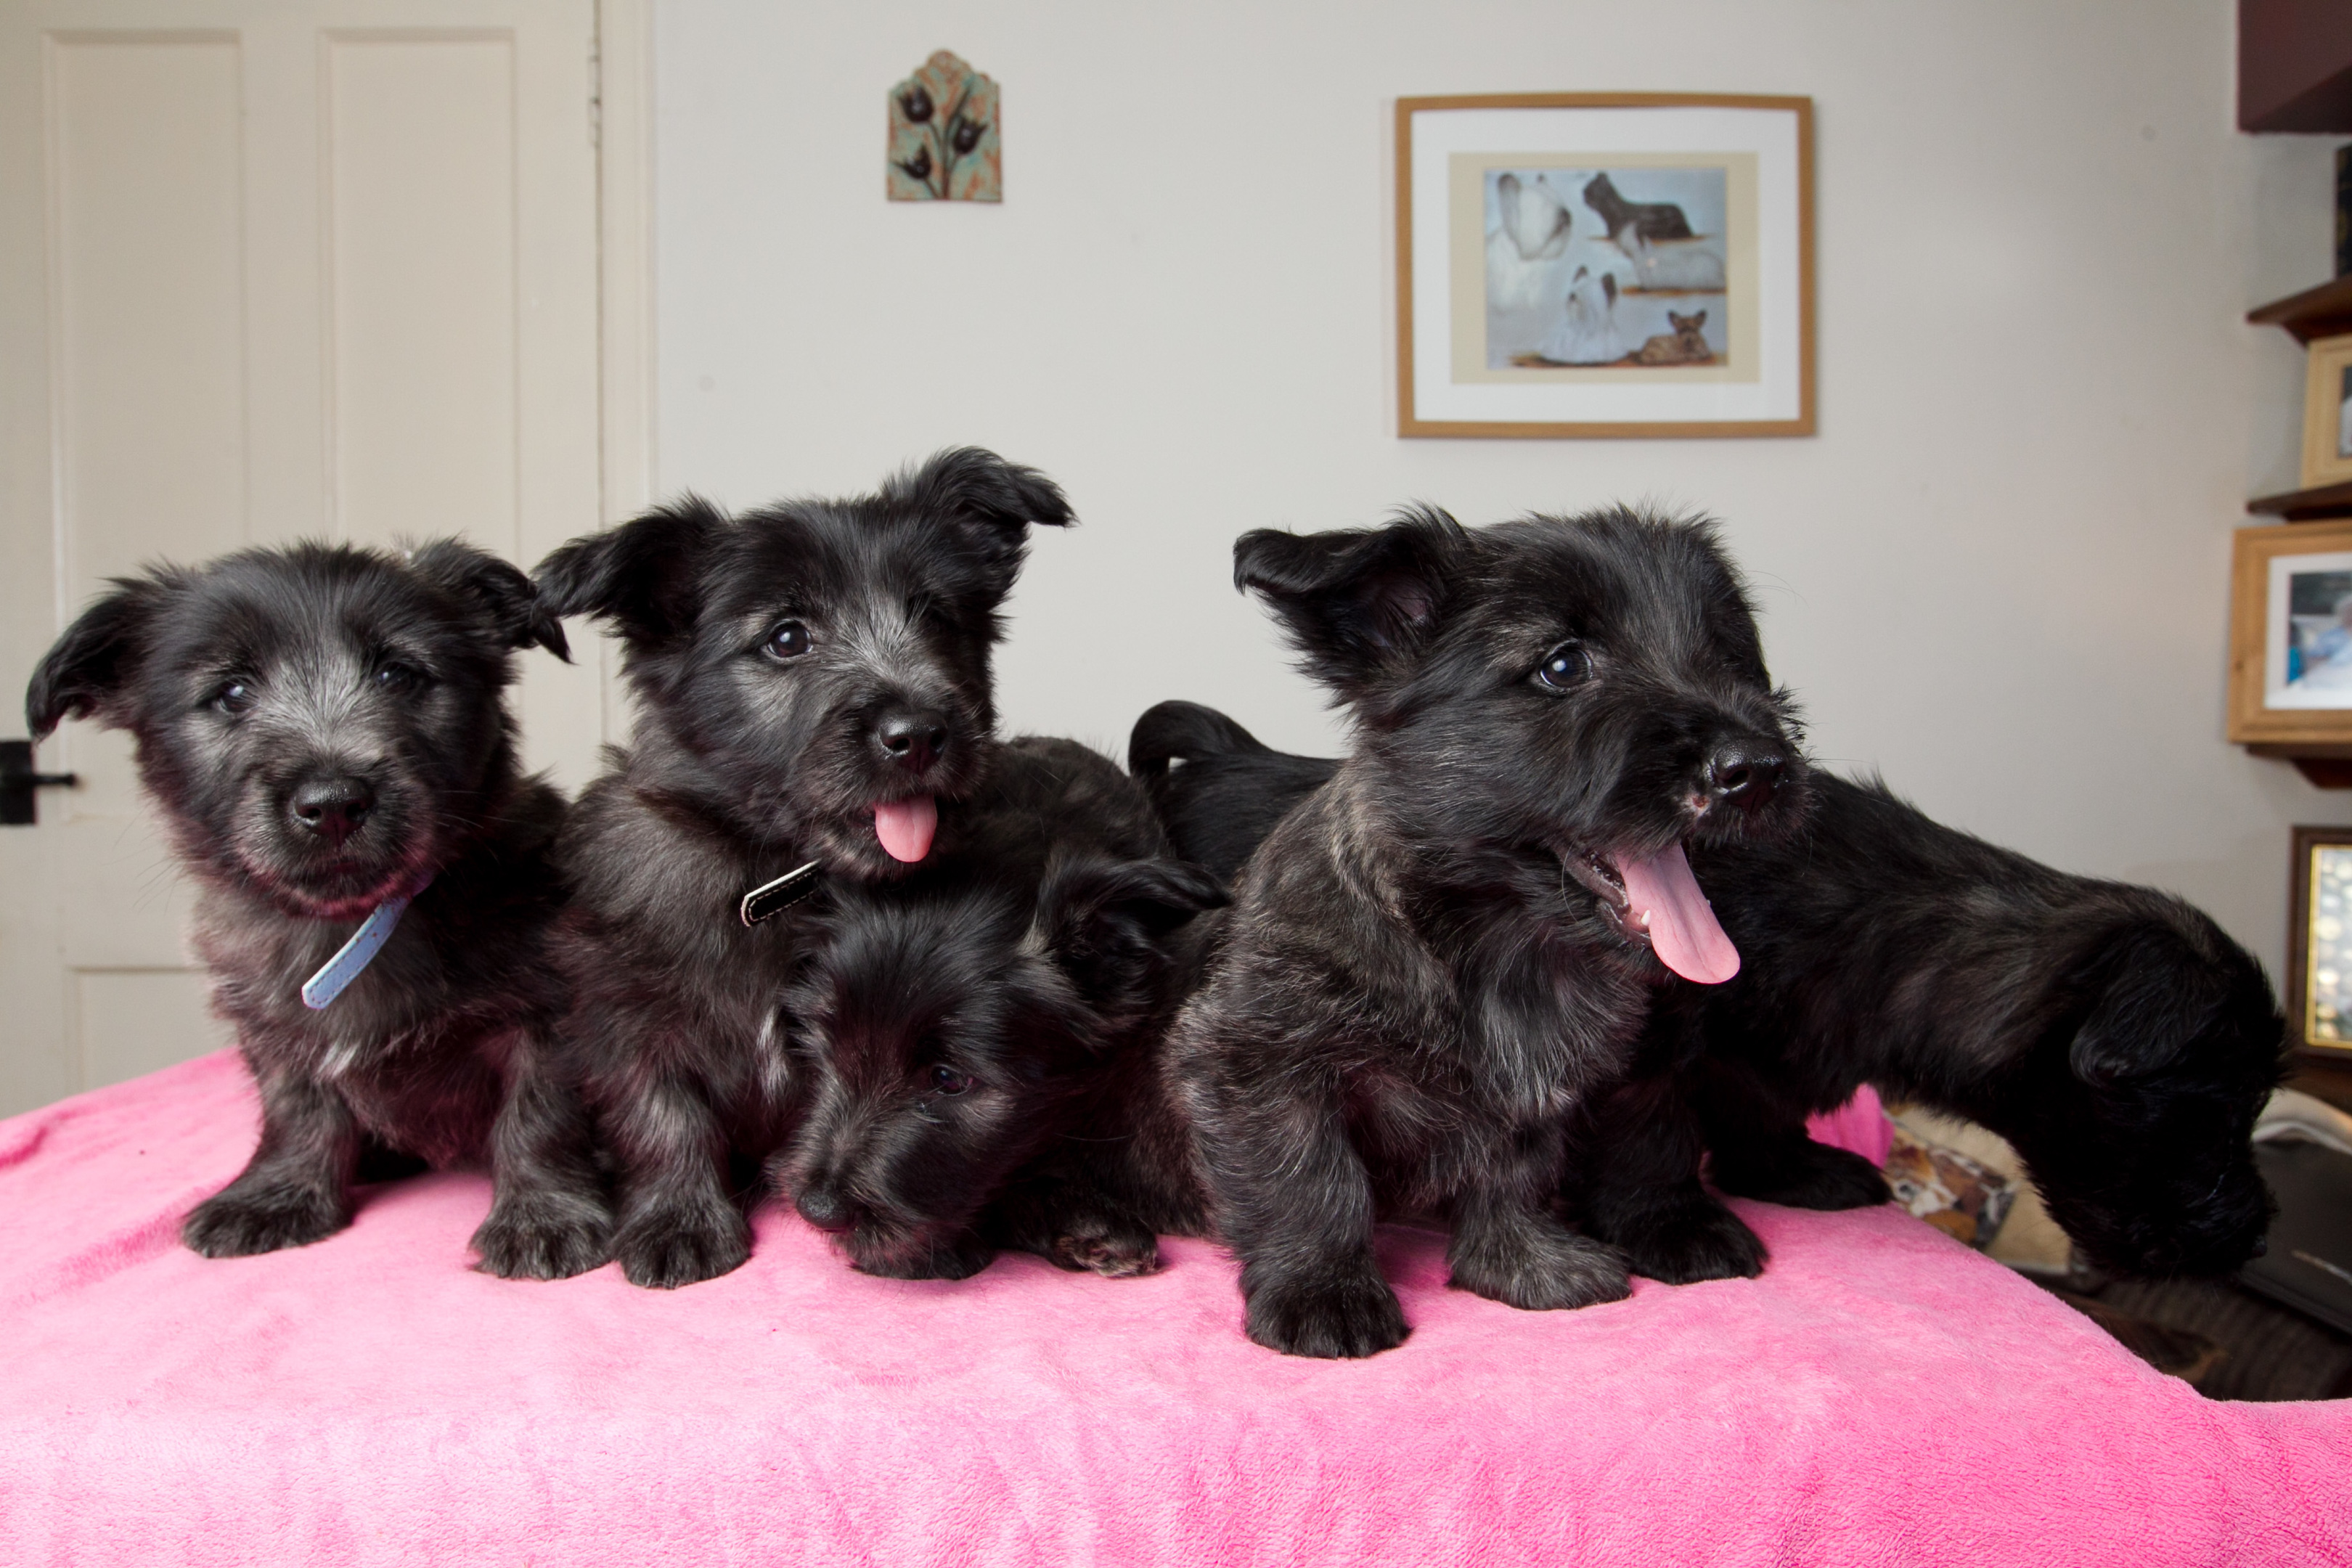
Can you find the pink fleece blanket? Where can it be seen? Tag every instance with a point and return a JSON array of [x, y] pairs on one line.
[[1882, 1396]]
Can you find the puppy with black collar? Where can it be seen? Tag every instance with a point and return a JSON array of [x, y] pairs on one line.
[[814, 698]]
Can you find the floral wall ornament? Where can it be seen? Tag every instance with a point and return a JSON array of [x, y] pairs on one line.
[[943, 135]]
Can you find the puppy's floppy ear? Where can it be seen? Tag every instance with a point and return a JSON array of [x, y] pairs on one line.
[[643, 576], [498, 586], [87, 667], [992, 502], [1104, 921], [2159, 994], [1358, 602]]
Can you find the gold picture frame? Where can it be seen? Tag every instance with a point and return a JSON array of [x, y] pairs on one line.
[[2290, 690], [2319, 942], [2327, 413], [1605, 265]]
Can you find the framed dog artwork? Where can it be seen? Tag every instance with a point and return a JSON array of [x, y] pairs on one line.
[[2319, 942], [1604, 265], [2291, 640]]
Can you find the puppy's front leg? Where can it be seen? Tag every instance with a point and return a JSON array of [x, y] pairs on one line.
[[296, 1187], [550, 1219], [1508, 1247], [677, 1224], [1763, 1151], [1295, 1205], [1640, 1189]]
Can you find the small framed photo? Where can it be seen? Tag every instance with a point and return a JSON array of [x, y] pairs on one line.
[[1604, 265], [2327, 413], [2291, 639], [2319, 941]]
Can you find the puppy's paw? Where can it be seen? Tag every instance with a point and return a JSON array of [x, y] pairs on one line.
[[1349, 1315], [1540, 1266], [1691, 1242], [1806, 1176], [243, 1221], [958, 1257], [1114, 1250], [666, 1249], [544, 1240]]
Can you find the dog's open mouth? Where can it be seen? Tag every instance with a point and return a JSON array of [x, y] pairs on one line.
[[1655, 900]]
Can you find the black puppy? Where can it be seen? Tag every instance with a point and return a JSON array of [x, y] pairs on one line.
[[325, 730], [1007, 1016], [812, 679], [1435, 956], [2111, 1033]]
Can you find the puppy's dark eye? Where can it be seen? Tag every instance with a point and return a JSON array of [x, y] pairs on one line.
[[945, 1079], [396, 676], [789, 640], [1565, 667], [233, 697]]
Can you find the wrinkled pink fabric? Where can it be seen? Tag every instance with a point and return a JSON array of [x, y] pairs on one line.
[[1882, 1396], [1860, 1124]]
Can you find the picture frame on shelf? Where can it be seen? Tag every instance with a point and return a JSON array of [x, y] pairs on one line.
[[2327, 413], [1604, 265], [2318, 993], [2290, 690]]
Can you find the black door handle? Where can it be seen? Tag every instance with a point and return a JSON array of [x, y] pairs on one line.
[[18, 781]]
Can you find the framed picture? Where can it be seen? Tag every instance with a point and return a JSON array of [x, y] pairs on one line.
[[2327, 413], [2319, 941], [2290, 638], [1604, 265]]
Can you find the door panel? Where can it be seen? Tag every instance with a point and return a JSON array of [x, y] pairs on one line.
[[268, 271]]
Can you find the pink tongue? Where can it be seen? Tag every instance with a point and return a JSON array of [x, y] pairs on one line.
[[905, 827], [1664, 897]]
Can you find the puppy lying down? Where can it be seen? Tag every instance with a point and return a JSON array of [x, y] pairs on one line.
[[982, 1049]]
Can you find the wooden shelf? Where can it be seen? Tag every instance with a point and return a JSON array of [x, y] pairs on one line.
[[2305, 506], [2320, 312]]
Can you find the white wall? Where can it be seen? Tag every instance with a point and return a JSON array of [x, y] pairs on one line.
[[1999, 573]]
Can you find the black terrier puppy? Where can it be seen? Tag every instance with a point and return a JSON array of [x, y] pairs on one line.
[[325, 729], [812, 680], [1008, 1017], [2111, 1033], [1436, 955]]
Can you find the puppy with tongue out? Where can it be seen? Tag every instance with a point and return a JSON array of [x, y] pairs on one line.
[[1441, 951], [814, 706]]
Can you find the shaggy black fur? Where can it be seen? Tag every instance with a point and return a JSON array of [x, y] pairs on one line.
[[324, 729], [793, 668], [957, 1031], [2111, 1033], [1430, 960]]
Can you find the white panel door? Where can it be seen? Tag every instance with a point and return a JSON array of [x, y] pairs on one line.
[[267, 271]]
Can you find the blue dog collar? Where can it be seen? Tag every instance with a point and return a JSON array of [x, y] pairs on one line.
[[322, 988]]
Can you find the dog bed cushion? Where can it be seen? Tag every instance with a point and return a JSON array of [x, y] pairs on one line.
[[371, 1399]]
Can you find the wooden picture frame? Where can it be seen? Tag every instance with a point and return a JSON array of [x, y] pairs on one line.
[[1536, 298], [2318, 993], [2290, 673], [2327, 413]]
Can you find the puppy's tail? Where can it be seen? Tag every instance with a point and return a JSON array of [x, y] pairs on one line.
[[1185, 732]]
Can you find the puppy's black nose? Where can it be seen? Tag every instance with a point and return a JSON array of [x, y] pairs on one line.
[[825, 1207], [1744, 778], [2261, 1249], [334, 808], [912, 738]]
